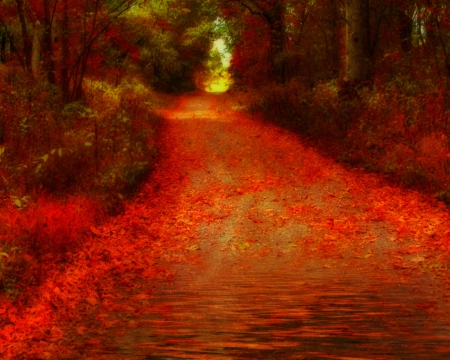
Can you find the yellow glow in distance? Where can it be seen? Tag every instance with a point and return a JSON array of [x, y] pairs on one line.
[[220, 82]]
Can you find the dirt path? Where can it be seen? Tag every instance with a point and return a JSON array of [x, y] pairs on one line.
[[275, 253]]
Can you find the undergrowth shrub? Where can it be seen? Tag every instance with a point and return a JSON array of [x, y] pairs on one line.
[[59, 162], [104, 145], [398, 129], [50, 225]]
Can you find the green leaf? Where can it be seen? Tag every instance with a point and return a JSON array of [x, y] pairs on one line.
[[87, 143], [60, 152], [18, 203], [38, 168], [45, 157]]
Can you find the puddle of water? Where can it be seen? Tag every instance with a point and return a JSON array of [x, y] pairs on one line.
[[252, 313]]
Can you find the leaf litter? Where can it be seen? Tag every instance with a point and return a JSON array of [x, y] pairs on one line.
[[191, 206]]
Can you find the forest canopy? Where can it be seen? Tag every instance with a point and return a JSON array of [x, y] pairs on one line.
[[65, 40], [171, 41], [346, 61]]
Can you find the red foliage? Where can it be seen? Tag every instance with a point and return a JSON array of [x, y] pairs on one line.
[[250, 56], [50, 226]]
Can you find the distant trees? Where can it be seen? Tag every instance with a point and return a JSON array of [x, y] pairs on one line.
[[71, 27], [174, 39], [65, 39], [356, 40], [271, 13], [277, 40]]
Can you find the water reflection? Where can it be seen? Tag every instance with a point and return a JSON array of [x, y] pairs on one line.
[[256, 314]]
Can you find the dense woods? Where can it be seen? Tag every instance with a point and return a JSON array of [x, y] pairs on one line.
[[368, 79], [82, 85], [78, 125]]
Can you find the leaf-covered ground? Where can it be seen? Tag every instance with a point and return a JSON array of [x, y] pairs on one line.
[[229, 192]]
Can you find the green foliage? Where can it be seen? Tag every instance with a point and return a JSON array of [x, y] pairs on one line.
[[8, 255], [20, 202], [173, 38], [76, 147]]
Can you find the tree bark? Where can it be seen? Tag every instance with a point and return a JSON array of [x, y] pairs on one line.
[[359, 58], [65, 53], [49, 63], [12, 47], [276, 50], [273, 12], [36, 50], [405, 31], [336, 41], [27, 42], [3, 49]]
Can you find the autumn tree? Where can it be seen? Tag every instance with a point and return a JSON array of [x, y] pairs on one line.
[[26, 40], [47, 41], [359, 59], [173, 39], [271, 13]]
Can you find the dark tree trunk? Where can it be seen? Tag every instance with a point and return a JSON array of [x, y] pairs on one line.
[[27, 42], [430, 27], [359, 58], [12, 47], [335, 51], [3, 49], [276, 24], [65, 80], [405, 31], [49, 63], [77, 93]]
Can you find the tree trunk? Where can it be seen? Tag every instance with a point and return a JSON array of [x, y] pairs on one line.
[[36, 50], [405, 30], [276, 50], [430, 30], [336, 40], [3, 49], [65, 53], [27, 43], [359, 59], [49, 63], [12, 48], [77, 93]]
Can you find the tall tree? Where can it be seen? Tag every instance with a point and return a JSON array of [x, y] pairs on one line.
[[65, 52], [3, 48], [27, 41], [359, 57], [273, 13], [47, 44]]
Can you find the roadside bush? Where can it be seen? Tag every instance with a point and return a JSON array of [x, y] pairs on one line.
[[42, 229], [59, 162], [102, 146], [394, 129], [49, 225]]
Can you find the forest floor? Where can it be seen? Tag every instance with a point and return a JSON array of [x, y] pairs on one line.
[[234, 196]]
